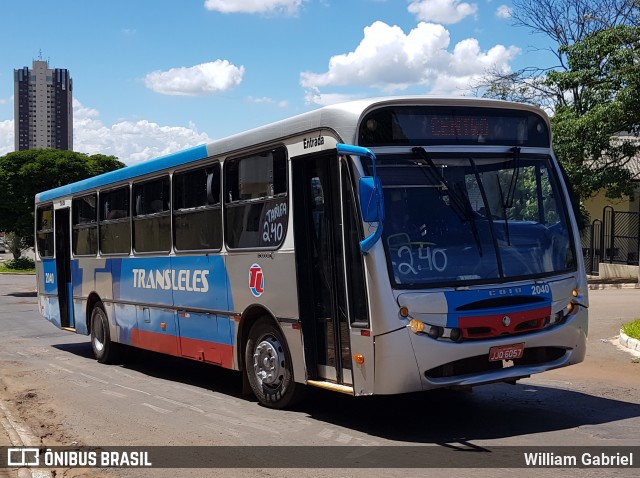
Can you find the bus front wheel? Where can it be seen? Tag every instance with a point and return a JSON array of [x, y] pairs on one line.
[[104, 350], [268, 366]]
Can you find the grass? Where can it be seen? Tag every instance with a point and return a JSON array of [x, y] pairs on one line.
[[5, 270], [632, 329]]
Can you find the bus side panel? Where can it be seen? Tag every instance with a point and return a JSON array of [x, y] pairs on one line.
[[278, 294], [141, 287], [89, 275], [204, 336]]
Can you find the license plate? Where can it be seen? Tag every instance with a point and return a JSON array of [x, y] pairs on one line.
[[506, 352]]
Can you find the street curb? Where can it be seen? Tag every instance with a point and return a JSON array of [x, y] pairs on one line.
[[629, 342], [21, 436], [625, 285]]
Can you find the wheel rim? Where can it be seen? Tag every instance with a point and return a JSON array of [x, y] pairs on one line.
[[268, 361], [98, 336]]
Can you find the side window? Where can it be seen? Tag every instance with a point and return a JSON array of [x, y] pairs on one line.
[[256, 207], [115, 224], [197, 212], [44, 230], [152, 216], [85, 225]]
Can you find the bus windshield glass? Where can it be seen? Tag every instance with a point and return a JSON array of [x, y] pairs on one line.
[[452, 220]]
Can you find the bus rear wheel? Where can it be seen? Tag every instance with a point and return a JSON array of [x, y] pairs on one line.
[[268, 366], [104, 349]]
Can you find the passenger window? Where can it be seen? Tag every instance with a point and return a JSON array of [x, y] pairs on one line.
[[256, 204], [152, 217], [197, 213], [85, 225], [44, 231], [115, 226]]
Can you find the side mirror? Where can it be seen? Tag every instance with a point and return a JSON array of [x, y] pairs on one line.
[[370, 199]]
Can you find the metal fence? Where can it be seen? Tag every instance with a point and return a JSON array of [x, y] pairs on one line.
[[614, 239]]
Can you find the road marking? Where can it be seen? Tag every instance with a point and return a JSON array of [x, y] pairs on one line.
[[132, 389], [128, 375], [156, 409], [52, 365], [326, 433], [80, 384], [224, 431], [91, 377], [180, 404], [235, 421], [114, 394]]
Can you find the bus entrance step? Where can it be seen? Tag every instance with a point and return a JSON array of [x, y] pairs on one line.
[[336, 387]]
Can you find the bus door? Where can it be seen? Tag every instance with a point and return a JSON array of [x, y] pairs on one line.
[[63, 266], [322, 294]]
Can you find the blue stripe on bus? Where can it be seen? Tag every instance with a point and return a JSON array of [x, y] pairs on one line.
[[460, 298], [146, 167]]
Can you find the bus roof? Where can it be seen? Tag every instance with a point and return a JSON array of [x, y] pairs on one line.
[[341, 118]]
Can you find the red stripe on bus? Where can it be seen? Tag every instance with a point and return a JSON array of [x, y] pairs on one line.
[[493, 325], [202, 350], [163, 343]]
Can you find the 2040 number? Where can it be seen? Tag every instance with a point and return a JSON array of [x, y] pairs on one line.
[[539, 289]]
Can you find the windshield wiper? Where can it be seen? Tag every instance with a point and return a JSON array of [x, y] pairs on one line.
[[458, 200], [504, 211], [511, 193], [457, 204]]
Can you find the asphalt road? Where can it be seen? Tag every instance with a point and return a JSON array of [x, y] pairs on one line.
[[50, 380]]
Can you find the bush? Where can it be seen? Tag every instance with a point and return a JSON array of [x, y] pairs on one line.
[[632, 329], [20, 264]]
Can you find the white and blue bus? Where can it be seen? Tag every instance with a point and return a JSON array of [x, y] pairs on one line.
[[374, 247]]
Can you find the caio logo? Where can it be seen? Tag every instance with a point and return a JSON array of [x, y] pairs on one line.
[[256, 280]]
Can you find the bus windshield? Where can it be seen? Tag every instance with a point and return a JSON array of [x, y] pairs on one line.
[[454, 220]]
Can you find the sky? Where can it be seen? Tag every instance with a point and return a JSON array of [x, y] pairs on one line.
[[154, 77]]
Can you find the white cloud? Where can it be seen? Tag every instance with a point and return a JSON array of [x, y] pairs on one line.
[[442, 11], [390, 60], [6, 137], [254, 6], [267, 100], [130, 141], [504, 11], [313, 96], [203, 79]]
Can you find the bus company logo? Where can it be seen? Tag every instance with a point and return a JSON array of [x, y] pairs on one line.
[[168, 279], [256, 280]]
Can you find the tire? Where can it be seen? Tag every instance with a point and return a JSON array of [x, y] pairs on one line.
[[104, 349], [268, 366]]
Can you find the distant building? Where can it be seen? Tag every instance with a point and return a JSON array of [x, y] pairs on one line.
[[43, 114]]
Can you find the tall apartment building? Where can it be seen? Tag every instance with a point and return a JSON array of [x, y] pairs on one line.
[[43, 113]]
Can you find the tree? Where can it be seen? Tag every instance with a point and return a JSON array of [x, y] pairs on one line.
[[23, 174], [596, 134], [592, 91]]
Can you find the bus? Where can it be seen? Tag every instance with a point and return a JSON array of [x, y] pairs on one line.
[[379, 246]]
